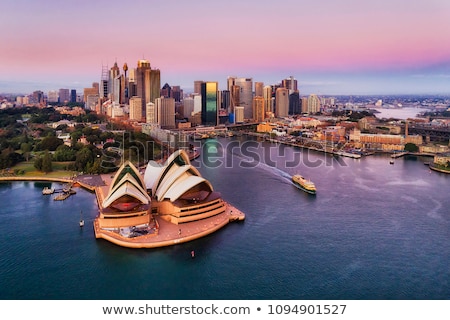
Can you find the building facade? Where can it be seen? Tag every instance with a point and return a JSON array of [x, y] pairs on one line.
[[210, 103]]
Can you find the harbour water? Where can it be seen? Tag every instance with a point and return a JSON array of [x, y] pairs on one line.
[[373, 231]]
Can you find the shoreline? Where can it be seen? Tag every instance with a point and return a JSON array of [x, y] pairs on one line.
[[437, 169], [168, 233]]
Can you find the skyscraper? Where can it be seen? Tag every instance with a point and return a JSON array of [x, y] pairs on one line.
[[148, 82], [198, 86], [210, 103], [245, 94], [281, 102], [258, 109], [104, 86], [165, 109], [259, 89], [294, 103], [268, 102], [290, 84], [113, 74]]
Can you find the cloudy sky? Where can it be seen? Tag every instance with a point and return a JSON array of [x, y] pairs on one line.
[[329, 46]]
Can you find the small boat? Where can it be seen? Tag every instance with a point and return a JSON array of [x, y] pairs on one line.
[[48, 190], [62, 196], [81, 219], [304, 184], [391, 162]]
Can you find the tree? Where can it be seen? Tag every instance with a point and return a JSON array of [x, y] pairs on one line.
[[50, 143], [83, 157], [26, 149], [47, 162], [64, 153], [411, 147], [38, 163]]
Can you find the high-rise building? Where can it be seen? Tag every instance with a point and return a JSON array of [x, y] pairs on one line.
[[52, 96], [37, 97], [245, 94], [225, 101], [281, 102], [151, 113], [90, 91], [313, 104], [73, 95], [268, 101], [64, 95], [239, 114], [304, 104], [177, 93], [235, 97], [148, 82], [259, 111], [294, 103], [197, 102], [113, 74], [166, 91], [104, 83], [290, 84], [188, 107], [198, 86], [92, 101], [259, 89], [136, 108], [165, 109], [210, 103], [118, 92]]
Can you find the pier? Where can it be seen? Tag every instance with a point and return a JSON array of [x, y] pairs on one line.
[[399, 154]]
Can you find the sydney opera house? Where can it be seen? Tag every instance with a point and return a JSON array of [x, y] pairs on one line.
[[170, 203]]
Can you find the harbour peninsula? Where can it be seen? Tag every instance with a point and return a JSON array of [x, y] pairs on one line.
[[129, 219]]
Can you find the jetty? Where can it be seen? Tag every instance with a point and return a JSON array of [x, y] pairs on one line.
[[399, 154]]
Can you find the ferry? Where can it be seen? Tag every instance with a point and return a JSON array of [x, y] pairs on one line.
[[304, 184]]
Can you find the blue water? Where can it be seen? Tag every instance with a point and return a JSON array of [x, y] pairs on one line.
[[373, 231]]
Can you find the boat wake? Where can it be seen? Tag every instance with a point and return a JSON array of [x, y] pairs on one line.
[[270, 169]]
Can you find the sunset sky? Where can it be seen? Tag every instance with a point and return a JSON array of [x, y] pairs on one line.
[[330, 46]]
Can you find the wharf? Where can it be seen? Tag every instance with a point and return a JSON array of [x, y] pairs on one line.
[[399, 154]]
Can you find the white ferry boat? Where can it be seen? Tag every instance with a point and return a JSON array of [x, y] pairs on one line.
[[304, 184], [48, 190]]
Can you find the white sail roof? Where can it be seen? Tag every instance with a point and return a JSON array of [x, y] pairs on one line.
[[126, 182], [126, 188], [180, 188], [152, 172], [175, 178]]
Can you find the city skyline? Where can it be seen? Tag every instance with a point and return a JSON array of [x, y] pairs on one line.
[[387, 47]]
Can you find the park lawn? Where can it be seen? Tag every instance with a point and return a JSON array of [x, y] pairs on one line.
[[30, 171]]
